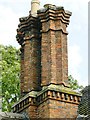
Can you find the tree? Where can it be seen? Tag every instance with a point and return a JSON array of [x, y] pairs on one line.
[[10, 76], [74, 83]]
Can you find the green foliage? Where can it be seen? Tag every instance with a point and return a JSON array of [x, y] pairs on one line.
[[10, 76], [74, 84]]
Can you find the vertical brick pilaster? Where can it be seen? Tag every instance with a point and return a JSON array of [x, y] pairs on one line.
[[61, 53], [32, 66], [64, 59], [48, 57], [35, 69], [27, 65]]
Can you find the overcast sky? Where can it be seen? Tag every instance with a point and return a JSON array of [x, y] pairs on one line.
[[12, 10]]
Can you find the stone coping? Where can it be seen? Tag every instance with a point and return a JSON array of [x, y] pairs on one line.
[[61, 88], [51, 87], [11, 116]]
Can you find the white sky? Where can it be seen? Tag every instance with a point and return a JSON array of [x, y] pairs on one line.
[[12, 10]]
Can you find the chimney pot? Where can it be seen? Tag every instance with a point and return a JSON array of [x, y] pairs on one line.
[[34, 7]]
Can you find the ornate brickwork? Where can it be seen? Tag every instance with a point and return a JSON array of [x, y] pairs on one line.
[[44, 66]]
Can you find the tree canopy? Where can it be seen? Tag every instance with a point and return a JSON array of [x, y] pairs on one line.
[[10, 76], [74, 83]]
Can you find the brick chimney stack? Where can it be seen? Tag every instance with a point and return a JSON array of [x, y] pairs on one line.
[[44, 65]]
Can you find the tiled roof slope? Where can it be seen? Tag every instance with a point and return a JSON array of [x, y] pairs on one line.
[[84, 106]]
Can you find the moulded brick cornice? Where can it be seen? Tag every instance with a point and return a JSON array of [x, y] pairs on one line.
[[26, 29], [30, 23], [54, 9], [54, 14], [52, 17], [60, 29]]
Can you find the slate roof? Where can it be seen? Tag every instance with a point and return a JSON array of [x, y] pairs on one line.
[[84, 106]]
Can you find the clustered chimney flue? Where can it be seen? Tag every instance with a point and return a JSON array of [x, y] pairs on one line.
[[44, 64]]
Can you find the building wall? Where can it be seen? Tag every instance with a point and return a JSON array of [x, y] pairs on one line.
[[32, 111], [43, 110], [60, 109]]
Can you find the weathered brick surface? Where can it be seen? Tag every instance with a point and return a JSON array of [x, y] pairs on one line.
[[43, 110], [29, 39], [57, 109], [32, 111], [44, 62], [51, 108], [31, 66], [44, 58], [54, 50]]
